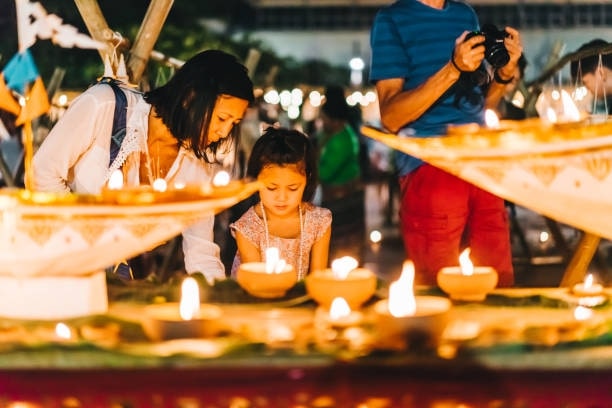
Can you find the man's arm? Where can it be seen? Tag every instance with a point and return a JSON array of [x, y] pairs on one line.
[[398, 107]]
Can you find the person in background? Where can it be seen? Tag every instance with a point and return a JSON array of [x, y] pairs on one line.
[[429, 73], [284, 161], [340, 173], [338, 146], [174, 132], [595, 72]]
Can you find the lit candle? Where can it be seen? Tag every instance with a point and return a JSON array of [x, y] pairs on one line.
[[341, 267], [341, 315], [465, 263], [274, 264], [269, 279], [189, 306], [344, 279], [62, 331], [222, 178], [401, 293], [491, 119], [160, 185], [588, 288], [404, 317], [115, 181], [467, 282], [187, 319]]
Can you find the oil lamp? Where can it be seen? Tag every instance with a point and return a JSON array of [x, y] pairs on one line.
[[419, 320], [467, 282], [344, 280], [187, 319]]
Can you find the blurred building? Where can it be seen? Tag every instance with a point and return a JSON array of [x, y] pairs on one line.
[[338, 30]]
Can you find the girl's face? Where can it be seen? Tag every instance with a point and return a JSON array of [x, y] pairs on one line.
[[228, 112], [283, 187]]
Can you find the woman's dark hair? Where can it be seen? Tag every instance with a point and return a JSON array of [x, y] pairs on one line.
[[282, 146], [186, 102]]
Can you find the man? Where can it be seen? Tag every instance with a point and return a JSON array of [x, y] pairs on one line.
[[430, 73], [594, 72]]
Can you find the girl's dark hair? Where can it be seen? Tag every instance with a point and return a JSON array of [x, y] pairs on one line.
[[282, 146], [186, 102]]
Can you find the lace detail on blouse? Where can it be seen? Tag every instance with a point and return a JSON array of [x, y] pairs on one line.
[[135, 140]]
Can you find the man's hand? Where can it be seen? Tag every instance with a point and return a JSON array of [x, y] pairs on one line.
[[468, 54], [513, 45]]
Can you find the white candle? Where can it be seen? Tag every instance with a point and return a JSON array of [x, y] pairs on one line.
[[466, 265], [339, 314], [341, 267], [222, 178], [401, 293], [115, 181], [189, 306], [491, 119], [272, 259], [588, 288], [160, 185]]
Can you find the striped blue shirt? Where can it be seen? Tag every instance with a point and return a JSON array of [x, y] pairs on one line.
[[413, 41]]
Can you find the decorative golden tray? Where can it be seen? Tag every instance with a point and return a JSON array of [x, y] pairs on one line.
[[563, 171], [46, 234]]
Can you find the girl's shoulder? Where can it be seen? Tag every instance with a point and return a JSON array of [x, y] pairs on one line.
[[317, 212]]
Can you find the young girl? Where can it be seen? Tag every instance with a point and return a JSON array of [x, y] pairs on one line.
[[284, 161]]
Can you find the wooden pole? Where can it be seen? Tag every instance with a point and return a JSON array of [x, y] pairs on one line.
[[147, 36], [96, 24]]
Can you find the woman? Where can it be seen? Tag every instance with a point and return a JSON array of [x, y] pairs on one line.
[[172, 132]]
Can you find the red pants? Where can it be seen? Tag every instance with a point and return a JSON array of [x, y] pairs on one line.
[[441, 214]]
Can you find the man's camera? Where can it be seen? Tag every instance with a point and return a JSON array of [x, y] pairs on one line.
[[495, 51]]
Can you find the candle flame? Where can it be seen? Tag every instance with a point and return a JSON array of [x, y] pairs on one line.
[[465, 264], [115, 181], [222, 178], [401, 293], [339, 309], [582, 313], [272, 258], [570, 110], [341, 267], [160, 185], [62, 331], [190, 299], [491, 119], [588, 281]]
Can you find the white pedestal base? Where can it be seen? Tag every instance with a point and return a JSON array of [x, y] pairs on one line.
[[53, 298]]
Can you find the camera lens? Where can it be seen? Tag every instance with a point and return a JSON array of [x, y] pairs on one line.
[[497, 55]]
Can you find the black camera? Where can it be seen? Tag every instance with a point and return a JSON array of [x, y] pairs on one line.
[[495, 50]]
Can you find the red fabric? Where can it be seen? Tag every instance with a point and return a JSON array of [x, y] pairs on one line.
[[441, 214], [338, 386]]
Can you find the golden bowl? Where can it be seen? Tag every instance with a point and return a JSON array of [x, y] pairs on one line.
[[471, 288], [358, 287], [253, 278]]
